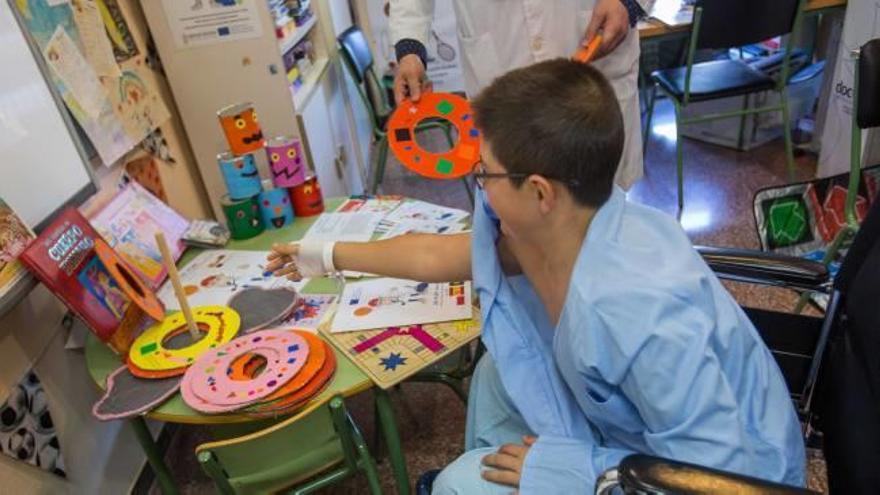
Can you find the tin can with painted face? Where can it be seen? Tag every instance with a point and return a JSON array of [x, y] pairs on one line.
[[275, 207], [240, 174], [242, 217], [307, 198], [286, 161], [242, 130]]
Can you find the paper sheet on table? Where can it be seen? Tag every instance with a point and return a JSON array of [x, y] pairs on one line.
[[389, 302], [377, 204], [422, 211], [349, 227], [68, 63], [311, 312], [422, 227], [215, 276], [93, 35]]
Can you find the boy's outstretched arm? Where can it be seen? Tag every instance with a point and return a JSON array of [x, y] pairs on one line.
[[423, 257]]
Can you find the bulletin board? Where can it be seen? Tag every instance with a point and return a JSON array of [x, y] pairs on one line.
[[97, 68]]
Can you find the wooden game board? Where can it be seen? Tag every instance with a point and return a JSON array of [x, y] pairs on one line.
[[390, 355]]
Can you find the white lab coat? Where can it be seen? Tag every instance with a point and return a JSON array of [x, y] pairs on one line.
[[496, 36]]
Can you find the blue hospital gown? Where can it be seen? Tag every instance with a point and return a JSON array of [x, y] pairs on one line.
[[651, 354]]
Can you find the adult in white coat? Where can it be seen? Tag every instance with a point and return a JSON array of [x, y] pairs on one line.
[[501, 35]]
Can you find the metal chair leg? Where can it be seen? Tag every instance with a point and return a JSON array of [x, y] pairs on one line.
[[648, 118], [833, 248], [679, 159], [786, 131]]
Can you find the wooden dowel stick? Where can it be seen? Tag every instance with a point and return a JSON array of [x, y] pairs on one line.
[[178, 287]]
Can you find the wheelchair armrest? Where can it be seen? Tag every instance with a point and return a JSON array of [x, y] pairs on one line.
[[647, 474], [758, 267]]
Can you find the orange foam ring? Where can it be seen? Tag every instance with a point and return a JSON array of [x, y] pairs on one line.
[[133, 287], [454, 163], [585, 54]]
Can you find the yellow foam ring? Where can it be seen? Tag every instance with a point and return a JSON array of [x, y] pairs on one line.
[[220, 323]]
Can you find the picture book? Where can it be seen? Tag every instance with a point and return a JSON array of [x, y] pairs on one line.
[[129, 224], [14, 238], [63, 258]]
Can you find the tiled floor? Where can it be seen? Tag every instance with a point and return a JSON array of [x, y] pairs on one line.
[[719, 187]]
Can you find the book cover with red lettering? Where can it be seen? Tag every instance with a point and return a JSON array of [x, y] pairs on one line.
[[63, 258]]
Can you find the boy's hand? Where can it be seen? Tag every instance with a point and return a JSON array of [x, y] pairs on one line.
[[612, 20], [508, 463], [283, 261], [410, 79]]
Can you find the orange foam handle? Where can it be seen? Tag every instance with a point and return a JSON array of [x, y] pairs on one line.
[[585, 54]]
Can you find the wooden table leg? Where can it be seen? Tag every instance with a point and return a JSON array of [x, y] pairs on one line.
[[154, 456]]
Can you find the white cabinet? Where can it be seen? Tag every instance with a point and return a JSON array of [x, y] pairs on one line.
[[322, 148]]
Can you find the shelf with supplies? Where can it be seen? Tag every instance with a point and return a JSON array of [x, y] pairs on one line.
[[289, 41], [304, 91]]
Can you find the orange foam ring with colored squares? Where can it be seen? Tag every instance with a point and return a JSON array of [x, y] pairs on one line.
[[148, 351], [457, 161], [207, 385], [133, 287]]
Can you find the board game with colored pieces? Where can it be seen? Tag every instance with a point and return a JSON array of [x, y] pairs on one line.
[[391, 355]]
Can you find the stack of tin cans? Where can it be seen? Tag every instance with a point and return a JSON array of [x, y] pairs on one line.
[[253, 204]]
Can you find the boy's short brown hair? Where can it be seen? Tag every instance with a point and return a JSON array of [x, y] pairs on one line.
[[559, 119]]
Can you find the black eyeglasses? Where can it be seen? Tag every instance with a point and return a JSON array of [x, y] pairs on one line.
[[480, 175]]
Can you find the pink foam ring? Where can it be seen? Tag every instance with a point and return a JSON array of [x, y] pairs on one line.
[[286, 161], [200, 405], [208, 378]]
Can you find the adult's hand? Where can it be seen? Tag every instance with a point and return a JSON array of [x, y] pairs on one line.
[[611, 19], [410, 80]]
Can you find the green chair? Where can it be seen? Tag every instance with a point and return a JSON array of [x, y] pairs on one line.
[[309, 451], [865, 114], [355, 51], [721, 24]]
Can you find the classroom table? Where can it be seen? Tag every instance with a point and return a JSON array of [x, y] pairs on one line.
[[652, 29], [349, 380]]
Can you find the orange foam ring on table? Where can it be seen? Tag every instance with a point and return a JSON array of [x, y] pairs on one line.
[[297, 399], [242, 369]]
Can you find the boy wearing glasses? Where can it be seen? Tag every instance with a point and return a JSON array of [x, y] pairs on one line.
[[607, 334]]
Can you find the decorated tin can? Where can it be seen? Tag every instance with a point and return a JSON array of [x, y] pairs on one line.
[[307, 199], [275, 207], [242, 130], [242, 217], [286, 161], [240, 174]]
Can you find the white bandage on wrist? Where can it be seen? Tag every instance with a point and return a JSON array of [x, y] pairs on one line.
[[315, 258]]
